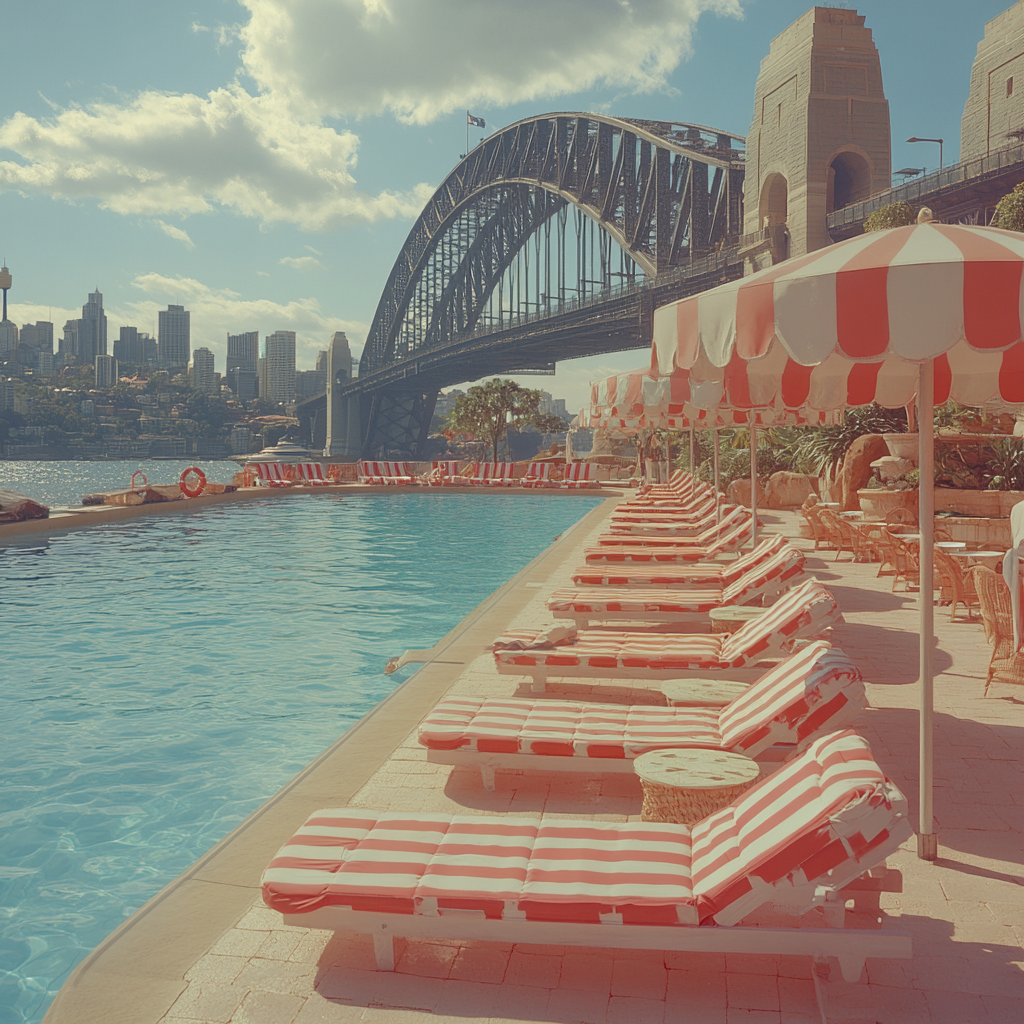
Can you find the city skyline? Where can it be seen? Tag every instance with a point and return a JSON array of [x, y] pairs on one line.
[[338, 166]]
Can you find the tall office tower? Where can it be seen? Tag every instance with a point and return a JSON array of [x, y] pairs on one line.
[[38, 336], [67, 351], [243, 383], [203, 377], [261, 377], [321, 360], [279, 352], [106, 371], [46, 364], [174, 338], [8, 337], [129, 347], [243, 351], [92, 329], [150, 353]]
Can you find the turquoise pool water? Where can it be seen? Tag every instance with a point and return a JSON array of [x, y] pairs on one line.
[[163, 678]]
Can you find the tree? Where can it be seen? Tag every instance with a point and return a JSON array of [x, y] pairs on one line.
[[893, 215], [486, 412], [1010, 210]]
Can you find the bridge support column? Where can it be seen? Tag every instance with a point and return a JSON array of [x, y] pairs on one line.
[[344, 423]]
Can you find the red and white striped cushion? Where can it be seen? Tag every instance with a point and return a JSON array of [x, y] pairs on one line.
[[828, 812], [610, 872], [608, 600], [820, 820], [708, 527], [606, 650], [564, 728]]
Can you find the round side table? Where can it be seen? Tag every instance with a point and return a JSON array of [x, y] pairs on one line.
[[731, 617], [701, 693], [685, 785]]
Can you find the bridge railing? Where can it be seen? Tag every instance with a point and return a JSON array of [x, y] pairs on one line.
[[956, 174]]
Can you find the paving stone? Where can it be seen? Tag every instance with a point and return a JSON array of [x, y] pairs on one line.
[[630, 1010], [268, 1008], [646, 979]]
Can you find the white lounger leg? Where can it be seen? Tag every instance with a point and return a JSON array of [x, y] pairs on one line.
[[384, 950]]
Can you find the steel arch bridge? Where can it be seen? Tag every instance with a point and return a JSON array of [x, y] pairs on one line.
[[555, 238]]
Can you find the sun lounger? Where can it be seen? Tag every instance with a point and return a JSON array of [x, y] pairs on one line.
[[562, 651], [271, 474], [701, 531], [491, 474], [386, 473], [817, 689], [800, 839], [688, 574], [578, 475], [690, 512], [538, 474], [443, 474], [311, 474], [600, 605], [622, 547]]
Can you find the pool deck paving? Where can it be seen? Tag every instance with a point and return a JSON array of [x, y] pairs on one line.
[[208, 950]]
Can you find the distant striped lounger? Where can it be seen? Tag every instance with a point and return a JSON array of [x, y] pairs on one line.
[[814, 690], [538, 474], [699, 511], [603, 654], [587, 605], [312, 474], [271, 474], [577, 474], [622, 547], [799, 839], [701, 531], [681, 574]]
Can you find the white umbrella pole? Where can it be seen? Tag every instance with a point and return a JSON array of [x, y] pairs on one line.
[[718, 504], [753, 483], [693, 454], [927, 840]]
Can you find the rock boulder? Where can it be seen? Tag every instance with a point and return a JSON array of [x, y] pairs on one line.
[[789, 490], [738, 493], [856, 471], [16, 508]]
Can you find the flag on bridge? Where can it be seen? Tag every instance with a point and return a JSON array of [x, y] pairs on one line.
[[476, 122]]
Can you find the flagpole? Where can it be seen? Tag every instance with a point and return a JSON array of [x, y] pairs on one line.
[[467, 133]]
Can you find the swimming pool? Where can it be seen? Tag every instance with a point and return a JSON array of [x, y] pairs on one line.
[[162, 679]]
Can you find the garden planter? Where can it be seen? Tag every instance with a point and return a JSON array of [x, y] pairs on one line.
[[878, 501], [903, 446]]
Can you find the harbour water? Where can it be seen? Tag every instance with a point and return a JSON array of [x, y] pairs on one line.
[[165, 677]]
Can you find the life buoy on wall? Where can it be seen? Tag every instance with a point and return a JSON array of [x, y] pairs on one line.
[[187, 488]]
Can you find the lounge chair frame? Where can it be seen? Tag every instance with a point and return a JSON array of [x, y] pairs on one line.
[[850, 946]]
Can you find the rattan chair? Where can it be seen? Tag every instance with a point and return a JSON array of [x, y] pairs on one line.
[[839, 533], [809, 510], [956, 584], [1007, 664]]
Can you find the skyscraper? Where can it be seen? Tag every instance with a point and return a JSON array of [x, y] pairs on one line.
[[92, 329], [203, 377], [129, 347], [174, 339], [67, 351], [279, 351], [106, 371], [243, 351]]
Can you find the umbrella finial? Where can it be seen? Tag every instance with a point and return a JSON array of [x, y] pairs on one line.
[[925, 215]]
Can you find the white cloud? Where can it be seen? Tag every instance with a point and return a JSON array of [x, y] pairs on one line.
[[167, 154], [300, 262], [176, 233], [420, 60], [315, 252], [272, 157]]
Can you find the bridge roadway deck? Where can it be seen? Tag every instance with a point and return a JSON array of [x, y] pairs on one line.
[[207, 950]]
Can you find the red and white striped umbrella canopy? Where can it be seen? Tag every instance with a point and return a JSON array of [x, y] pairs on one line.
[[849, 324]]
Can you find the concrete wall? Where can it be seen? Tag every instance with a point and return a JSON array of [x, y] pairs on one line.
[[995, 105], [820, 126]]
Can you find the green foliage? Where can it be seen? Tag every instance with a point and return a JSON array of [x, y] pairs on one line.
[[1007, 465], [893, 215], [824, 448], [487, 411], [1010, 210]]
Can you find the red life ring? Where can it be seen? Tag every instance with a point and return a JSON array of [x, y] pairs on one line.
[[187, 489]]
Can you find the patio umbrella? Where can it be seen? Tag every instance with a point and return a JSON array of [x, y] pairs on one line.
[[931, 310]]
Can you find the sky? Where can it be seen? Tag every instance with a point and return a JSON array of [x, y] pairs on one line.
[[262, 161]]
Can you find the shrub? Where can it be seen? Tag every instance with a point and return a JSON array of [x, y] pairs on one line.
[[1010, 210], [894, 215]]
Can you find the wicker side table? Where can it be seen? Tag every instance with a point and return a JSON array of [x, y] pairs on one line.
[[702, 693], [729, 618], [685, 785]]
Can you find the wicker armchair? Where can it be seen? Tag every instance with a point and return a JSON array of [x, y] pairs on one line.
[[903, 557], [839, 533], [956, 585], [1007, 664], [809, 510]]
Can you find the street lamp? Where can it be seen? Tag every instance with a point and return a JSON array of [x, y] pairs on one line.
[[939, 141]]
